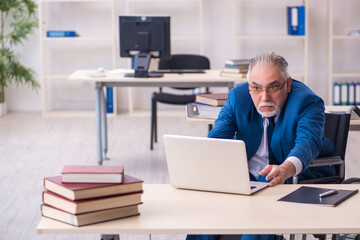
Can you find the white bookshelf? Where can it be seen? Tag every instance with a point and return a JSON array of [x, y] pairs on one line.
[[61, 44], [300, 41], [339, 36]]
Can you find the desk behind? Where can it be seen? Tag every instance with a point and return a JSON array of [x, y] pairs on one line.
[[211, 78], [208, 79], [167, 210]]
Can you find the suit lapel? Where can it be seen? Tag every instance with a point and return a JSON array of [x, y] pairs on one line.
[[256, 132]]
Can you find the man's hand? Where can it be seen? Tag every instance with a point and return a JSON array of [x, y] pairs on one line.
[[278, 173]]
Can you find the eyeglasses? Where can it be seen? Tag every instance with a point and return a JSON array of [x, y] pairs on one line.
[[269, 90]]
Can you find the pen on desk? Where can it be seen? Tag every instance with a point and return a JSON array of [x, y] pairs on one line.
[[328, 193]]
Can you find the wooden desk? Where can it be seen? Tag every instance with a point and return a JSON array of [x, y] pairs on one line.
[[167, 210], [211, 78]]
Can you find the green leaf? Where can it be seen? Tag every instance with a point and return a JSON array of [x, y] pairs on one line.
[[18, 19]]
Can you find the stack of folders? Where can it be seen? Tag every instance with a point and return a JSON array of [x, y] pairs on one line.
[[206, 106], [346, 93], [82, 203], [237, 68]]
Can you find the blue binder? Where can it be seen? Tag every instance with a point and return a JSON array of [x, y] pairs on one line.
[[344, 94], [336, 94], [357, 93], [352, 100], [60, 33], [296, 20], [109, 100]]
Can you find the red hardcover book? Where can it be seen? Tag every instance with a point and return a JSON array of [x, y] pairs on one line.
[[92, 174], [77, 191], [214, 99], [90, 205]]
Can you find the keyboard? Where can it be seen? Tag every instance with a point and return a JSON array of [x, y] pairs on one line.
[[178, 71]]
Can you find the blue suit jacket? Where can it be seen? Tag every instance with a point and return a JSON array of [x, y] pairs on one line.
[[299, 130]]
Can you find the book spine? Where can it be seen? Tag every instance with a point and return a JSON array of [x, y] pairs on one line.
[[292, 19], [109, 100], [301, 20], [336, 94], [296, 20], [357, 93], [352, 94], [61, 34], [344, 94]]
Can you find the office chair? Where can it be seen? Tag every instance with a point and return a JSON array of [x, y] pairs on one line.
[[176, 61], [336, 129]]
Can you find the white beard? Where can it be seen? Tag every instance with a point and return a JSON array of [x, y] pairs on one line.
[[274, 112]]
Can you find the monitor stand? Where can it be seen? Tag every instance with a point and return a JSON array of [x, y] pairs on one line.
[[142, 62]]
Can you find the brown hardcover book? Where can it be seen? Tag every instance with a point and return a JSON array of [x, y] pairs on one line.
[[83, 219], [92, 174], [213, 99], [90, 205], [78, 191]]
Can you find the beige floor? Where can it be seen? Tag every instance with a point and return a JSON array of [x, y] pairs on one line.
[[33, 147]]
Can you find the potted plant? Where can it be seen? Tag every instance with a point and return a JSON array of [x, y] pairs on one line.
[[18, 19]]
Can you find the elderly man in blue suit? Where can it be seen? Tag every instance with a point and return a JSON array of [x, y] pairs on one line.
[[281, 122]]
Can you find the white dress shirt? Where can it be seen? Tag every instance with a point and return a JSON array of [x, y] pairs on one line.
[[261, 158]]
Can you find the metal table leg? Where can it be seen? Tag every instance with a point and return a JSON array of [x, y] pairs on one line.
[[98, 105], [104, 125]]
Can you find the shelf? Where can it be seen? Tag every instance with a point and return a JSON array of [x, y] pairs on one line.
[[239, 49], [198, 37], [47, 74], [335, 18], [345, 37], [52, 39], [346, 74], [269, 37]]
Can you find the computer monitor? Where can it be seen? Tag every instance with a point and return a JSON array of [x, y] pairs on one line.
[[143, 38]]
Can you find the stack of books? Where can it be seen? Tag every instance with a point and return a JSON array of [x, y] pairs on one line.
[[206, 106], [235, 68], [88, 200]]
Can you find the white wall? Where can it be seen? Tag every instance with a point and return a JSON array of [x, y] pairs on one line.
[[217, 45]]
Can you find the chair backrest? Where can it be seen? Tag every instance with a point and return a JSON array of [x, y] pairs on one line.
[[185, 61], [340, 122]]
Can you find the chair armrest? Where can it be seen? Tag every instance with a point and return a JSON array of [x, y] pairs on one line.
[[327, 161]]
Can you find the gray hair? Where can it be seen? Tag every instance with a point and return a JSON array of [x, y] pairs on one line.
[[269, 59]]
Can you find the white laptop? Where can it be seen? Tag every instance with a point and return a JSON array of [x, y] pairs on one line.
[[209, 164]]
